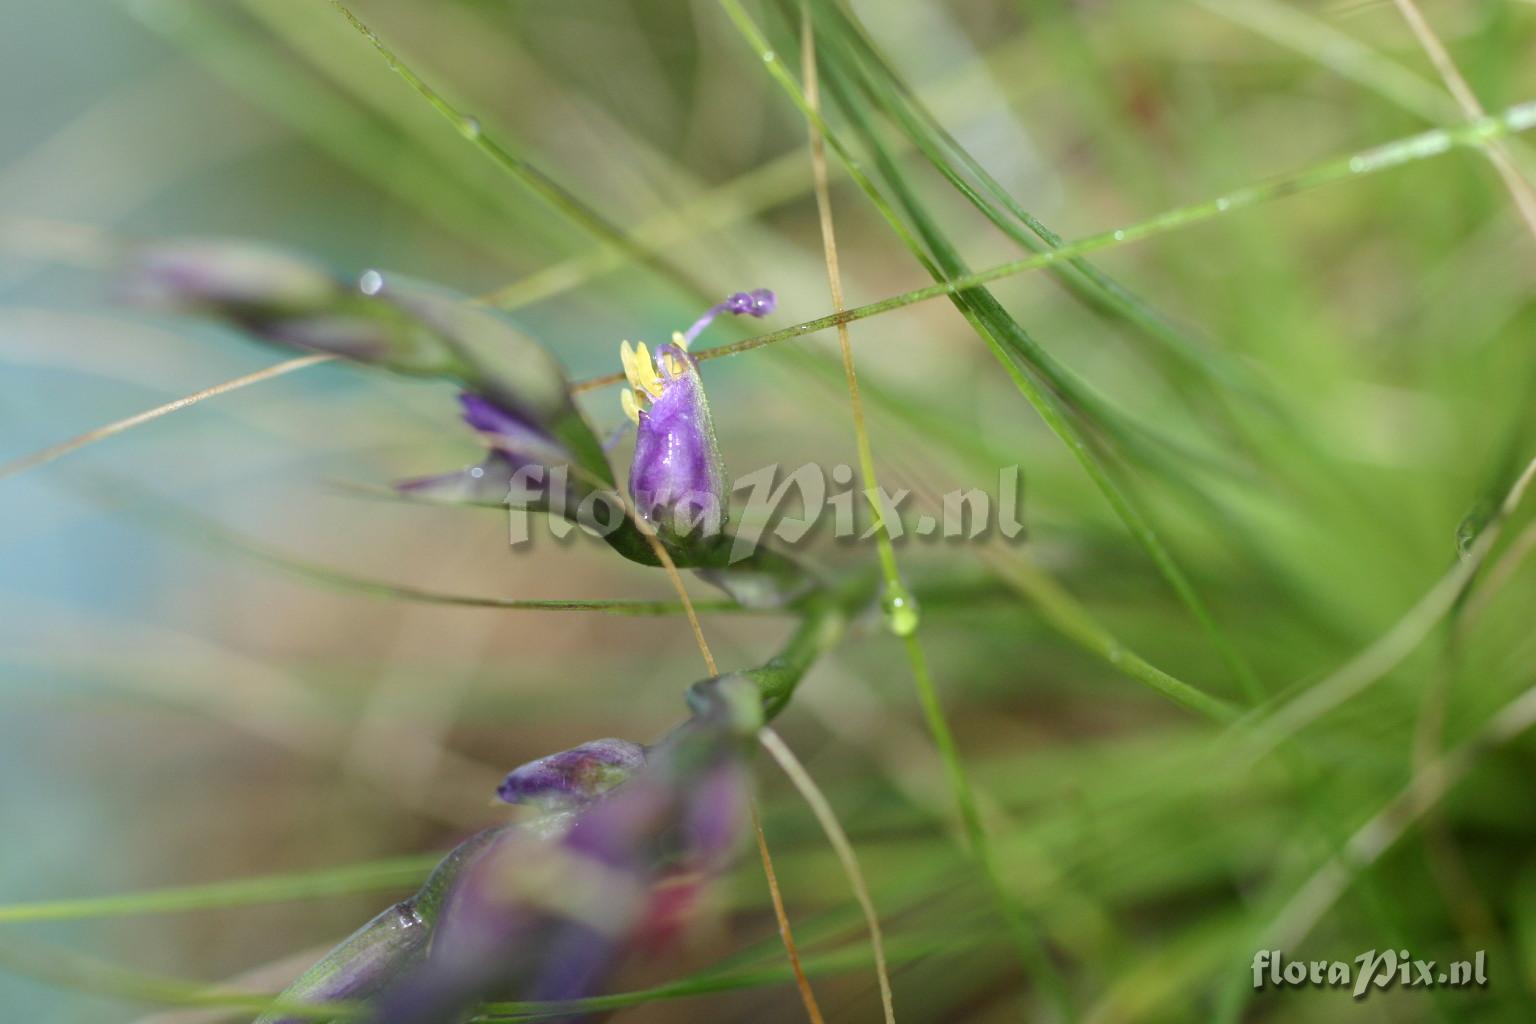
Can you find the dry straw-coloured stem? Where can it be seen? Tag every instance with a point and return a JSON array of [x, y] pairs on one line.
[[781, 915], [827, 818], [101, 433], [1498, 155]]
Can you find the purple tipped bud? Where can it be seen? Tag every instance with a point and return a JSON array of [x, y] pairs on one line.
[[518, 392], [573, 778], [553, 917], [678, 478], [213, 276], [520, 441], [522, 460], [759, 303]]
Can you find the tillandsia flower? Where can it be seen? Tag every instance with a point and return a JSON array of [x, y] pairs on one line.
[[516, 392], [283, 298], [550, 918], [677, 477], [521, 455], [543, 454]]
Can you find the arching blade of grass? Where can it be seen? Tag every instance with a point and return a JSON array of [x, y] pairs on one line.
[[228, 541], [393, 874], [1145, 440], [1367, 844], [1298, 29], [76, 972], [371, 149], [1010, 344], [537, 181], [713, 207], [1347, 681], [1373, 160], [836, 962], [1073, 621], [1082, 278]]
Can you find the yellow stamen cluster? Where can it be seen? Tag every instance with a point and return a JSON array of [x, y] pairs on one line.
[[641, 369]]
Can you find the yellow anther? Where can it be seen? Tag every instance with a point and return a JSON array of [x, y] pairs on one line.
[[674, 364], [647, 379], [680, 340], [627, 360], [629, 405]]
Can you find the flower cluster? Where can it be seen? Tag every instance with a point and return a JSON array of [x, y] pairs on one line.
[[621, 838]]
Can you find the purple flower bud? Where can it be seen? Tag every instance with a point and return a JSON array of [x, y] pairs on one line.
[[759, 303], [677, 477], [216, 276], [550, 917], [573, 777], [516, 444], [518, 394]]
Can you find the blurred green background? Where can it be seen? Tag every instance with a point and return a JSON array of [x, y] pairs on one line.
[[1357, 381]]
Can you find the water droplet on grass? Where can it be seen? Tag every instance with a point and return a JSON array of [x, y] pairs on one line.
[[470, 128], [900, 611], [371, 283]]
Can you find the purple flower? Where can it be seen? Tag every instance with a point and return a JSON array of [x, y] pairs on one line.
[[516, 444], [515, 392], [216, 276], [677, 477], [550, 913], [573, 777]]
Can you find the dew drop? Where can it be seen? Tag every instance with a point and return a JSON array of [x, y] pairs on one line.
[[1119, 236], [476, 472], [769, 56], [1356, 165], [1223, 204], [900, 611], [470, 128], [371, 283]]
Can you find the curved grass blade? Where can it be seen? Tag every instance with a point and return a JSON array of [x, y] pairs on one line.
[[396, 873], [540, 183], [1007, 339]]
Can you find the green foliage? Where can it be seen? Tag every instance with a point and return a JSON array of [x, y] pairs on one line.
[[1259, 677]]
